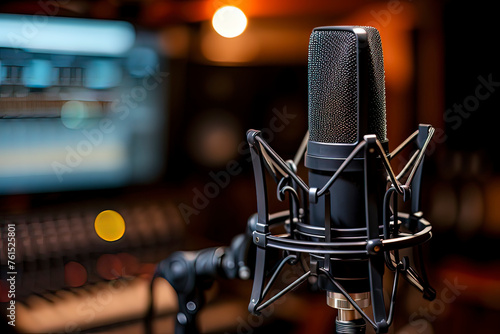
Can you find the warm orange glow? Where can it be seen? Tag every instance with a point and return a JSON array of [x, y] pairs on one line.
[[229, 21], [75, 274], [109, 266]]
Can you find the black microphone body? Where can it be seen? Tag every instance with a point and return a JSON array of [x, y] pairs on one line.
[[346, 102]]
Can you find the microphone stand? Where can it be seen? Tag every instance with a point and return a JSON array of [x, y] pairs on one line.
[[192, 273]]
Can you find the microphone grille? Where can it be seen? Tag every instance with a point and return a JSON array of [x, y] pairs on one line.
[[333, 86], [377, 123]]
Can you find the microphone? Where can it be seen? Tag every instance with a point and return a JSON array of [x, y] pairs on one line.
[[344, 228], [346, 102], [346, 220]]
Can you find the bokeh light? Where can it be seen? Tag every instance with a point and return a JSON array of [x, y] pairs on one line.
[[77, 114], [75, 274], [130, 263], [109, 266], [109, 225], [213, 137], [4, 292], [229, 21]]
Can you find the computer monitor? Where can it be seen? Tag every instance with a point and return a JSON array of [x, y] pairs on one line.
[[82, 104]]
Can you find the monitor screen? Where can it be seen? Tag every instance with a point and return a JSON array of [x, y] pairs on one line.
[[82, 105]]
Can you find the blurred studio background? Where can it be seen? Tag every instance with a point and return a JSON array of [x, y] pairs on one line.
[[141, 107]]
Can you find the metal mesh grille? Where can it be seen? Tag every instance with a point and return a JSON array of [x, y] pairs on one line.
[[333, 86], [376, 116]]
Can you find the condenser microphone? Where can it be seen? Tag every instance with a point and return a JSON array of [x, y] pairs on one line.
[[346, 102], [346, 220], [343, 226]]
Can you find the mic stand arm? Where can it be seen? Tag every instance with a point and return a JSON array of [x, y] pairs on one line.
[[192, 273]]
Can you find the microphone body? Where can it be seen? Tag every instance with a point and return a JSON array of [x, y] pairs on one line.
[[346, 102]]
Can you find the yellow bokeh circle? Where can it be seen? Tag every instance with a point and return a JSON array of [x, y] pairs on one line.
[[109, 225]]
